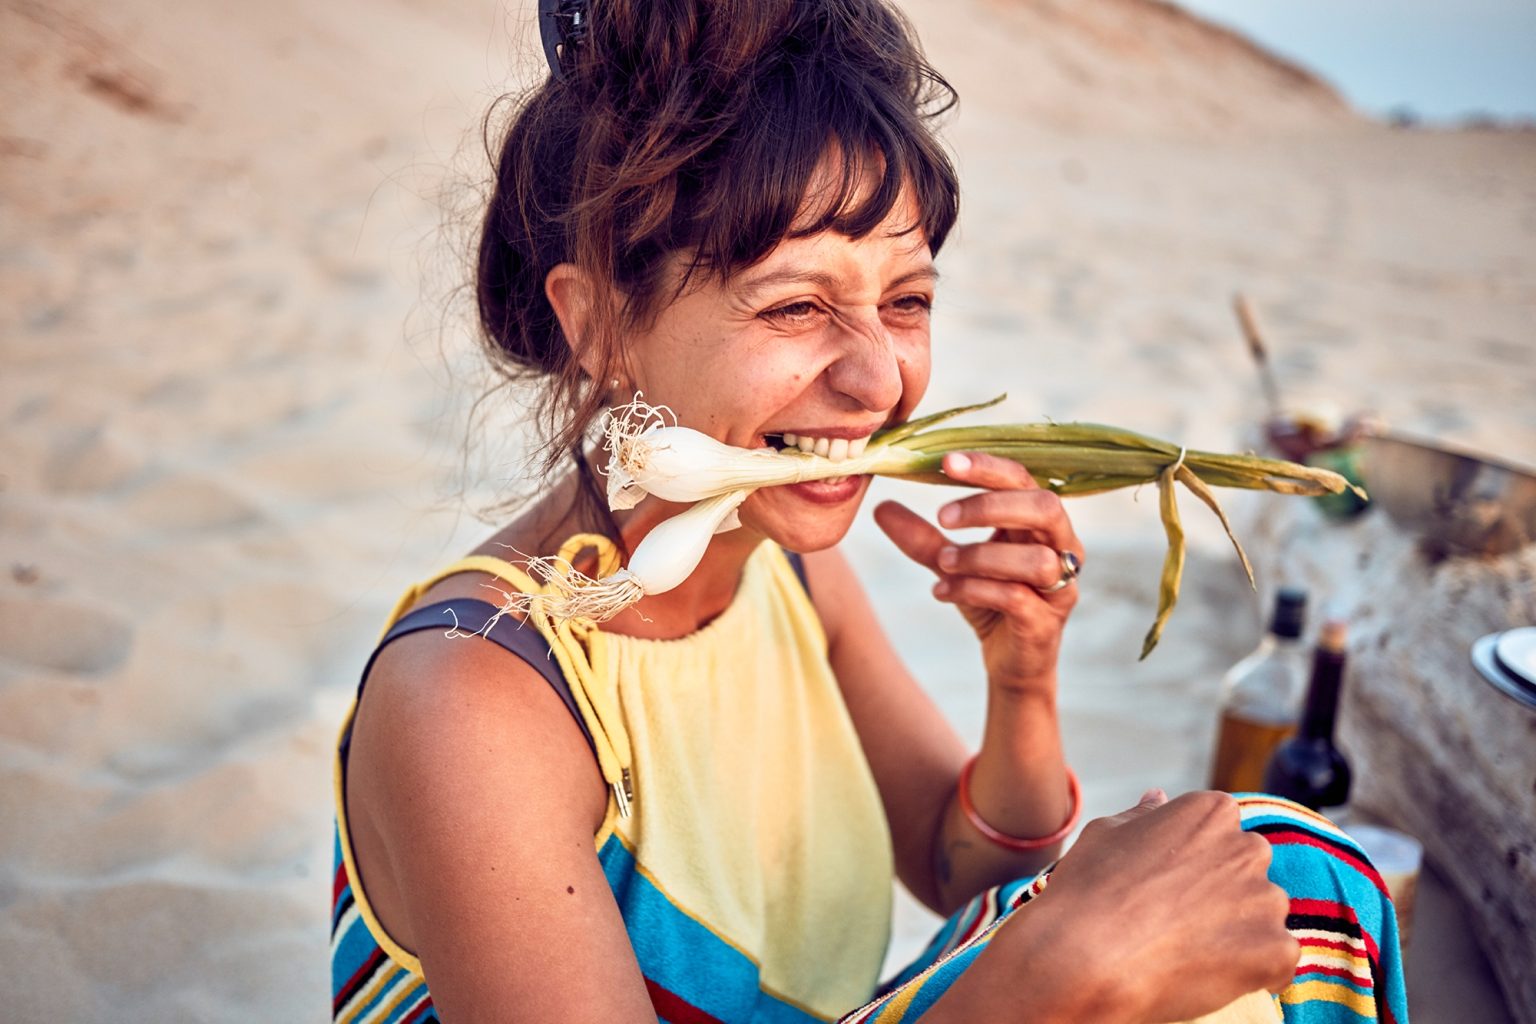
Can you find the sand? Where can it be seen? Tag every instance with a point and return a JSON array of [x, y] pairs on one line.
[[234, 386]]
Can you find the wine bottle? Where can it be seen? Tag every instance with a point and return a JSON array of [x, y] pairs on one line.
[[1308, 768], [1261, 698]]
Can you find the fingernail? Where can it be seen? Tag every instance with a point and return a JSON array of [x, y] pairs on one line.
[[959, 463], [949, 515], [948, 557], [1153, 794], [940, 588]]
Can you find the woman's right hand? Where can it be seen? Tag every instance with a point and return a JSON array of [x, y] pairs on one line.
[[1161, 913]]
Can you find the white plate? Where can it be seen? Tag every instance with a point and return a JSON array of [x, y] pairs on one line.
[[1508, 661]]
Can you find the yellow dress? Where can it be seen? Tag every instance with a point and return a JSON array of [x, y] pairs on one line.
[[753, 867]]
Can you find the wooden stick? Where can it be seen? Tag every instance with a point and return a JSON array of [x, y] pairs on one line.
[[1250, 325]]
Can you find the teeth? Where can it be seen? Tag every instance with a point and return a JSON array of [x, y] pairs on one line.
[[835, 449], [833, 479]]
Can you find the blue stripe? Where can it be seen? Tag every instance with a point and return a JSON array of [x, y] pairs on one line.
[[1319, 1011], [407, 1005], [936, 985], [356, 946], [680, 954]]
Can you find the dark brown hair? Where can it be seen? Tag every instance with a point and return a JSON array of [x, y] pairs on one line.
[[694, 128]]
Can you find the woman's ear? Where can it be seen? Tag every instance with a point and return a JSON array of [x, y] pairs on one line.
[[570, 293]]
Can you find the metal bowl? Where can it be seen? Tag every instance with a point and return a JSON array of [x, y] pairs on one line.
[[1458, 502]]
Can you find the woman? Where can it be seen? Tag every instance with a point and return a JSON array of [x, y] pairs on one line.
[[734, 208]]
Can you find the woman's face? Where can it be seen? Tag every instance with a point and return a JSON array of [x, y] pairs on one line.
[[825, 338]]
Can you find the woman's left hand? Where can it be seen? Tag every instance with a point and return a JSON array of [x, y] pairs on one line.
[[999, 584]]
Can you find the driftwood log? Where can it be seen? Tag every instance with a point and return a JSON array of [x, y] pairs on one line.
[[1437, 752]]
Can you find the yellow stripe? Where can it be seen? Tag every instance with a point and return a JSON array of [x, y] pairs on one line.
[[364, 997], [1330, 992], [1338, 956], [409, 985]]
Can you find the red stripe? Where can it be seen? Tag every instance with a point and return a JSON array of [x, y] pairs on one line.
[[421, 1012], [1343, 912], [353, 983], [1302, 839], [1324, 908], [983, 914], [341, 883], [675, 1009]]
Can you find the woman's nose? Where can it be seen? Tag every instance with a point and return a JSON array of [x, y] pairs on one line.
[[868, 368]]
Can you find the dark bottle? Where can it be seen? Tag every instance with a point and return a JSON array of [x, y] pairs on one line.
[[1308, 768]]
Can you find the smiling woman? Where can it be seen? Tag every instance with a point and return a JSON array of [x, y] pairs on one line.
[[695, 809]]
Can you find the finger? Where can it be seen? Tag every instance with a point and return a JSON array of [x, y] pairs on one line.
[[917, 538], [1034, 564], [1039, 511], [1015, 600], [990, 471], [1150, 801]]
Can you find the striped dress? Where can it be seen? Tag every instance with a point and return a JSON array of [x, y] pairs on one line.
[[754, 875]]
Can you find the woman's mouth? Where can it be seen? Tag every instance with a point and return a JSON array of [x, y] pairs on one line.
[[831, 491], [834, 445]]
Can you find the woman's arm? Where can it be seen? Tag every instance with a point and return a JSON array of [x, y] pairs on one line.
[[474, 800], [1019, 785], [1019, 782]]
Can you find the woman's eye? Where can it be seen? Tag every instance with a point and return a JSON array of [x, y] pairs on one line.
[[791, 312], [912, 304]]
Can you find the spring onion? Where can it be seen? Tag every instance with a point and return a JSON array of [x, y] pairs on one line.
[[651, 454]]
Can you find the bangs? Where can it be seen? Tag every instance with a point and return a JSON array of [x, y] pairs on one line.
[[820, 149], [818, 141]]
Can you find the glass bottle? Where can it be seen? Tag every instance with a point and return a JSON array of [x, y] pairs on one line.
[[1261, 698], [1308, 768]]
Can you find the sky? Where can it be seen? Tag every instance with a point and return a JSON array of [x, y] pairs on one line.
[[1442, 59]]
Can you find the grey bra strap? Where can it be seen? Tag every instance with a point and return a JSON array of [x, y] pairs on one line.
[[470, 615]]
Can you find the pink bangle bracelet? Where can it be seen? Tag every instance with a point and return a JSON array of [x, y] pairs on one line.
[[1003, 839]]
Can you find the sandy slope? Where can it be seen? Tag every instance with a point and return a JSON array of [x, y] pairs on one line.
[[232, 419]]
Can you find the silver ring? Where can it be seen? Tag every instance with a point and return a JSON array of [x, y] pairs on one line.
[[1071, 566]]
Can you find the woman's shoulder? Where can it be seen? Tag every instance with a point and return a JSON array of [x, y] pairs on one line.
[[443, 706]]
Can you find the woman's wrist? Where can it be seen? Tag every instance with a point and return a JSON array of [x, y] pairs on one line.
[[1041, 943], [1020, 766], [1013, 843]]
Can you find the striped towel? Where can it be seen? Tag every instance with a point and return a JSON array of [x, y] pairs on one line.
[[1350, 969]]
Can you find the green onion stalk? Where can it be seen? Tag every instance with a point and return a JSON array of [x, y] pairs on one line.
[[650, 454]]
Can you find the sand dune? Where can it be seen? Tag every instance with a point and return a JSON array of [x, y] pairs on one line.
[[233, 386]]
